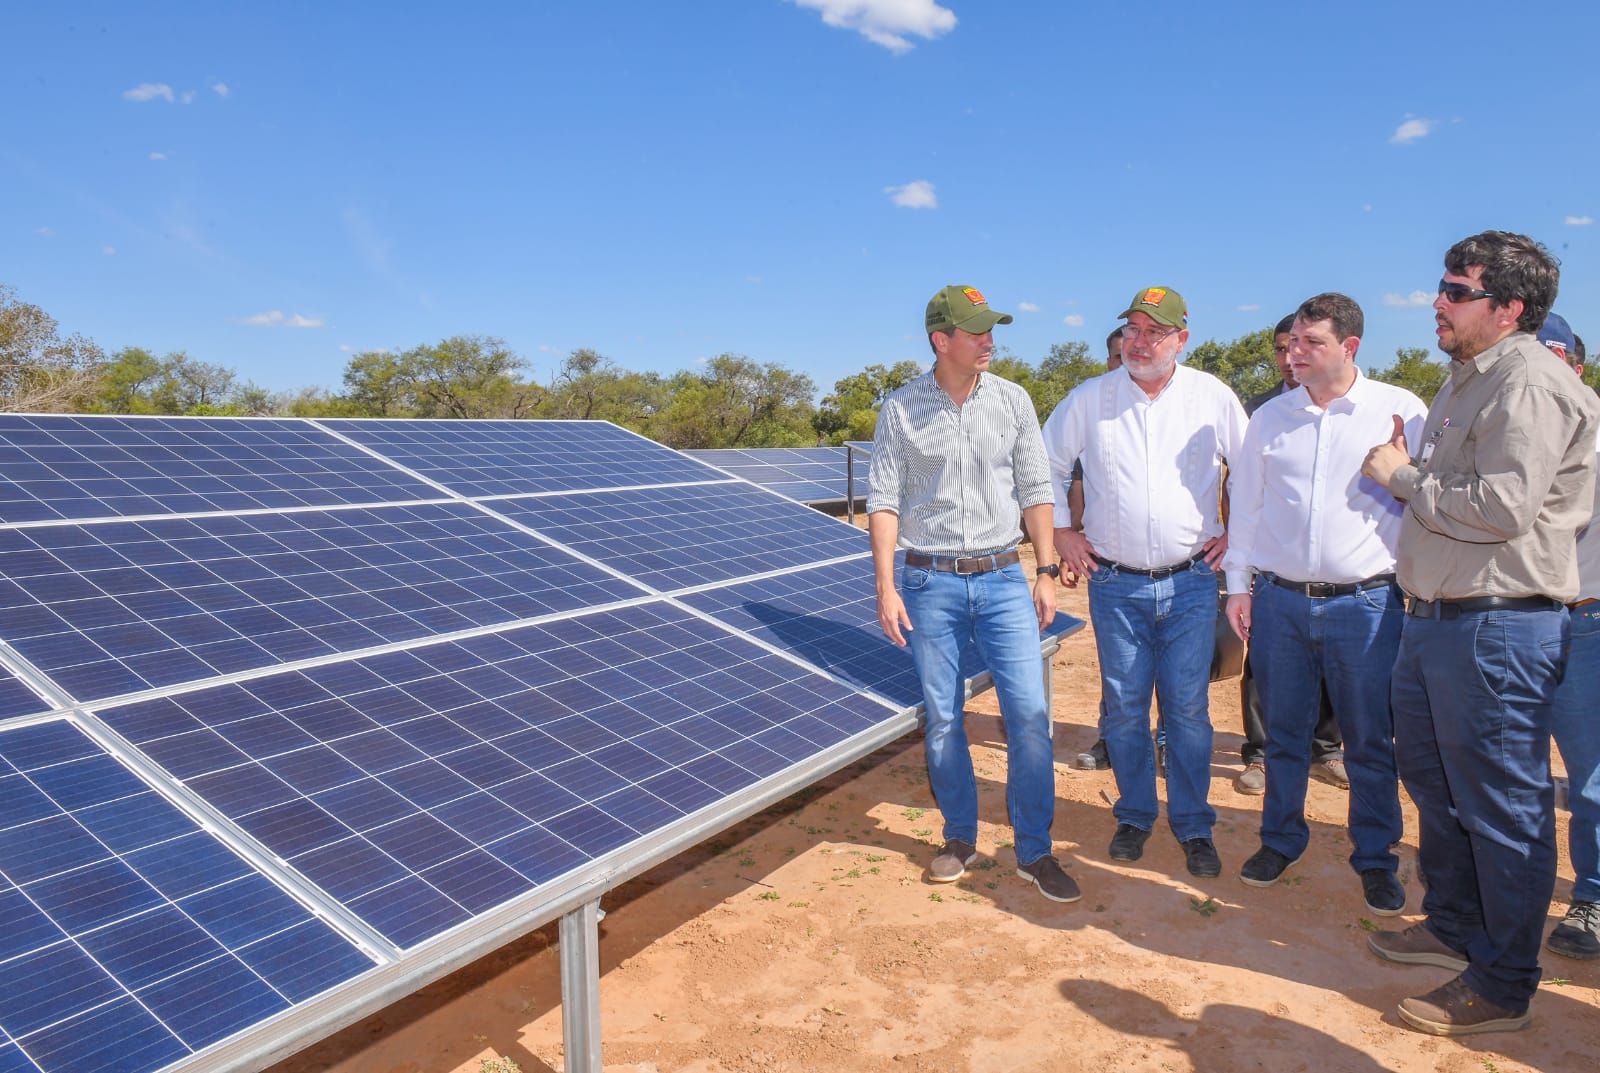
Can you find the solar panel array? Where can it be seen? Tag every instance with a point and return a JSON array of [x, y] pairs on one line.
[[289, 707], [816, 476]]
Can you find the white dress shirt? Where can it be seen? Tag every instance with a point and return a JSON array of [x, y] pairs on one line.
[[1299, 506], [1151, 467]]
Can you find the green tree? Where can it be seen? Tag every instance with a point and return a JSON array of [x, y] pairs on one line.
[[851, 411], [736, 402], [1415, 371], [125, 383], [39, 370], [378, 383], [468, 376], [1246, 364], [188, 386], [1064, 368]]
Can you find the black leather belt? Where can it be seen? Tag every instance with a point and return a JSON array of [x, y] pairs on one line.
[[1157, 573], [1449, 609], [959, 564], [1320, 590]]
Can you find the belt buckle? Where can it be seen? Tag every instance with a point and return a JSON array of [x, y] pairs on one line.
[[1319, 590], [976, 560]]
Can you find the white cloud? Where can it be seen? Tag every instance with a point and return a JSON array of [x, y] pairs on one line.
[[914, 195], [347, 348], [1027, 307], [1415, 298], [109, 251], [1411, 130], [158, 156], [886, 22], [1252, 307], [149, 91], [45, 231], [187, 96], [1579, 221], [1074, 320], [220, 88], [274, 318]]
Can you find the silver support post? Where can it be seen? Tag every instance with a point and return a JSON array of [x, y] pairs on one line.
[[580, 988]]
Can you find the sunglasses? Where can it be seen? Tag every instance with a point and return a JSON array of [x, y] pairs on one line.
[[1456, 293]]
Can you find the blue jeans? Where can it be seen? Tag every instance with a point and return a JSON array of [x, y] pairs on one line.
[[1472, 709], [1346, 644], [1157, 635], [1576, 726], [994, 611]]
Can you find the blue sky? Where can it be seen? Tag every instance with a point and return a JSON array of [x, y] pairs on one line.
[[274, 187]]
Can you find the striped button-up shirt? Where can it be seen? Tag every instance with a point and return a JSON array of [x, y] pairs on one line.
[[959, 477]]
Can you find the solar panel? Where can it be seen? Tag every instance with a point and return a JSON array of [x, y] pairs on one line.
[[497, 458], [295, 715], [58, 466], [130, 938], [811, 475], [669, 540], [117, 608]]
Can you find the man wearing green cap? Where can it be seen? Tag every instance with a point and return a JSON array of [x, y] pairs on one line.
[[957, 462], [1153, 436]]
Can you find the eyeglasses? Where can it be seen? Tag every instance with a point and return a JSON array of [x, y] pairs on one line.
[[1151, 336], [1456, 293]]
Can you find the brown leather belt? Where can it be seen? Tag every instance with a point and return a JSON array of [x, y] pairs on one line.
[[1319, 590], [1586, 601], [962, 564]]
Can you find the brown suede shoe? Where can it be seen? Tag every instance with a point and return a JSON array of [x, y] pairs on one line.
[[1417, 945], [1457, 1010]]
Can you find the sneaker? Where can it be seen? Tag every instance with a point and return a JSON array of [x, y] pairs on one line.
[[1265, 867], [1578, 936], [951, 863], [1252, 781], [1096, 759], [1201, 857], [1385, 896], [1457, 1010], [1046, 874], [1332, 772], [1417, 945], [1128, 843]]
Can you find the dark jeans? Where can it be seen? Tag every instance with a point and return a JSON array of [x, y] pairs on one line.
[[1326, 741], [1473, 698]]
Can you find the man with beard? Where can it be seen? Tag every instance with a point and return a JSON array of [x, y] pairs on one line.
[[1152, 436], [1501, 483]]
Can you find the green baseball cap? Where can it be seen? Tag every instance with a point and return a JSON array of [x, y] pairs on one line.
[[965, 308], [1162, 305]]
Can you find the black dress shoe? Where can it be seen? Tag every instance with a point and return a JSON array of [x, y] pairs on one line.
[[1202, 858], [1128, 843]]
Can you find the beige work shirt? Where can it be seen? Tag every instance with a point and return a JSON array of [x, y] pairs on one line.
[[1502, 481]]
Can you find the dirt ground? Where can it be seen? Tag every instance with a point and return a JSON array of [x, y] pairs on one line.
[[806, 939]]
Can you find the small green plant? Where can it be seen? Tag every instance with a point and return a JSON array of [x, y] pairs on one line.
[[876, 858], [1004, 843], [1100, 907], [499, 1065], [935, 896], [1366, 925], [1204, 908], [1489, 1067], [914, 813], [800, 905], [1558, 980], [768, 895]]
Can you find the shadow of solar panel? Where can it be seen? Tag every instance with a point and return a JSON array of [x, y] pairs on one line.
[[116, 608], [422, 788], [673, 538], [496, 458], [60, 466], [129, 937], [827, 615]]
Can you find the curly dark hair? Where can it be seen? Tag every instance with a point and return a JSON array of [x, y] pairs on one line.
[[1514, 266]]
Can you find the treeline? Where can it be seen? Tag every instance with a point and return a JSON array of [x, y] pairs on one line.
[[732, 401]]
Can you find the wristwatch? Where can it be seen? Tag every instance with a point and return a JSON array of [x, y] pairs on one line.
[[1054, 570]]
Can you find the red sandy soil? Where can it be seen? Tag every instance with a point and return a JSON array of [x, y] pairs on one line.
[[806, 938]]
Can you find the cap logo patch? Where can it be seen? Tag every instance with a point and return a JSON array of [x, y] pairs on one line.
[[974, 297], [1154, 296]]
